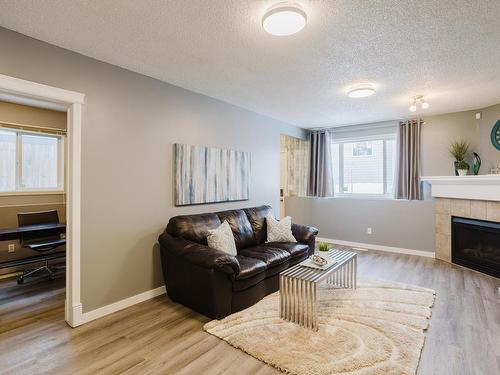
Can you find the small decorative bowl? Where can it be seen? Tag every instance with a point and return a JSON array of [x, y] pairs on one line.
[[320, 261]]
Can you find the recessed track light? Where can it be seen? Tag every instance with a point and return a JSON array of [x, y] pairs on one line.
[[418, 100], [284, 19]]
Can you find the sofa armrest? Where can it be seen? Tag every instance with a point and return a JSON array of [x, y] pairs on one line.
[[304, 233], [200, 255]]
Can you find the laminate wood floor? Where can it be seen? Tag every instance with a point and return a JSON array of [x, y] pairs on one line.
[[161, 337]]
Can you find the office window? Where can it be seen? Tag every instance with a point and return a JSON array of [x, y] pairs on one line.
[[31, 161], [364, 167]]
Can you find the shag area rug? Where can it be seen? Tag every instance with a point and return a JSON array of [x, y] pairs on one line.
[[378, 328]]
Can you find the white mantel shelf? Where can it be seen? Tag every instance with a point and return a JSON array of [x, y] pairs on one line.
[[481, 187]]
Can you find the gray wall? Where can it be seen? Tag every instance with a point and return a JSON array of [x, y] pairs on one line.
[[129, 125], [440, 130], [397, 223], [489, 154]]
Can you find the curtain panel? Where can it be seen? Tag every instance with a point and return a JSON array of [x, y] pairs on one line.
[[409, 160], [320, 183]]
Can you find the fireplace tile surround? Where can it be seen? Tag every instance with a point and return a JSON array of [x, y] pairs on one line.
[[445, 208]]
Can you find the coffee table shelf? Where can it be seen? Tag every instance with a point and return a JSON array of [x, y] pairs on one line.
[[298, 287]]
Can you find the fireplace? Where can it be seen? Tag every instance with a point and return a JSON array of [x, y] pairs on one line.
[[476, 244]]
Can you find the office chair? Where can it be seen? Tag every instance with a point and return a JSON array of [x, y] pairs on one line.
[[38, 242]]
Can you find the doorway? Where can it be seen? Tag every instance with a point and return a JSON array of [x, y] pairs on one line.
[[18, 91], [294, 161]]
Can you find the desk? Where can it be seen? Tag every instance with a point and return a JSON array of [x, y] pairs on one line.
[[44, 229]]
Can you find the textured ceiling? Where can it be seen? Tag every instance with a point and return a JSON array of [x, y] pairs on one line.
[[448, 50]]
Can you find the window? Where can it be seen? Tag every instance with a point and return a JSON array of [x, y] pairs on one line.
[[362, 149], [364, 166], [31, 161]]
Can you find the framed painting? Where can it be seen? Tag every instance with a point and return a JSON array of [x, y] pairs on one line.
[[210, 175]]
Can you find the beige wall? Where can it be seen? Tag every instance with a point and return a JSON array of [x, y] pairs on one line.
[[10, 205], [130, 123]]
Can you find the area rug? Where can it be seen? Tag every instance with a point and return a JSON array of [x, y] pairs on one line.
[[378, 328]]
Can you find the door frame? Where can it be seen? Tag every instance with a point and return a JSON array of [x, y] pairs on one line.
[[32, 93]]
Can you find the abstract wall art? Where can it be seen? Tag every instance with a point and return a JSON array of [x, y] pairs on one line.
[[209, 175]]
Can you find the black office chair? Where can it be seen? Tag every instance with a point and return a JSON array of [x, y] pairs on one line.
[[45, 244]]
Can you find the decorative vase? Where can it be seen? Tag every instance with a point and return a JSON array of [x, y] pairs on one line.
[[455, 163], [476, 165], [462, 172]]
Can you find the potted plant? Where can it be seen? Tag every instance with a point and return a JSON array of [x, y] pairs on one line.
[[459, 149], [323, 246], [462, 168]]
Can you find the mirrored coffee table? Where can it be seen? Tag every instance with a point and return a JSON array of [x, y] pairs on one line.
[[298, 287]]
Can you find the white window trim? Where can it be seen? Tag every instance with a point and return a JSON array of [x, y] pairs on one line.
[[61, 178], [383, 137]]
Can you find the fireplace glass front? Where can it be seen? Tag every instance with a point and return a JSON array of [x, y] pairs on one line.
[[476, 244]]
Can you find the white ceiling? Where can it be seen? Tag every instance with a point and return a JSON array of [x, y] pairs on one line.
[[447, 50]]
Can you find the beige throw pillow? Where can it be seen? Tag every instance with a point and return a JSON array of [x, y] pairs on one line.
[[279, 231], [222, 239]]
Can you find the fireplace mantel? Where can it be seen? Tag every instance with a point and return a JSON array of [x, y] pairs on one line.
[[481, 187]]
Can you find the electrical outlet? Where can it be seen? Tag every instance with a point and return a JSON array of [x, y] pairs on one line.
[[11, 248], [369, 230]]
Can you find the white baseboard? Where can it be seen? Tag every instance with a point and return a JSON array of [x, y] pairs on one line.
[[389, 249], [123, 304]]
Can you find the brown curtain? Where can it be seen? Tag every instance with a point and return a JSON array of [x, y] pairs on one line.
[[320, 183], [408, 172]]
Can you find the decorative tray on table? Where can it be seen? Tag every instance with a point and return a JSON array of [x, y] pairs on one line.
[[318, 262]]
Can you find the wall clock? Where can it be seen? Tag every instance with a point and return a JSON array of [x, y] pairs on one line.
[[495, 135]]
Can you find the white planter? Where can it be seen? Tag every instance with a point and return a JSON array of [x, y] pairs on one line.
[[462, 172]]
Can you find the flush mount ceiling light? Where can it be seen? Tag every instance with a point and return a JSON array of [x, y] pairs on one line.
[[418, 100], [361, 91], [284, 19]]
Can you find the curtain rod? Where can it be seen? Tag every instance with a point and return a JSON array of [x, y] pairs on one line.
[[379, 124], [32, 128]]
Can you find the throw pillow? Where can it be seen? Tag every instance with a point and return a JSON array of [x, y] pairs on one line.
[[279, 231], [221, 238]]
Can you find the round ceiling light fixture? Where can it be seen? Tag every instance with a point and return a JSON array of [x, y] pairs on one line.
[[284, 19], [361, 91]]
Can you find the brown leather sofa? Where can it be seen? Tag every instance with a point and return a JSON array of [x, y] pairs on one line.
[[215, 283]]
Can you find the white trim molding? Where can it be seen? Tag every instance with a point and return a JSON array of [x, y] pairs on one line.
[[123, 304], [32, 93], [28, 90], [482, 187], [389, 249]]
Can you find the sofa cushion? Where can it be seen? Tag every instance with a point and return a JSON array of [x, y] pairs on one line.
[[222, 239], [242, 230], [249, 267], [271, 271], [279, 231], [257, 218], [193, 227], [298, 259], [252, 272], [296, 249], [271, 257]]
